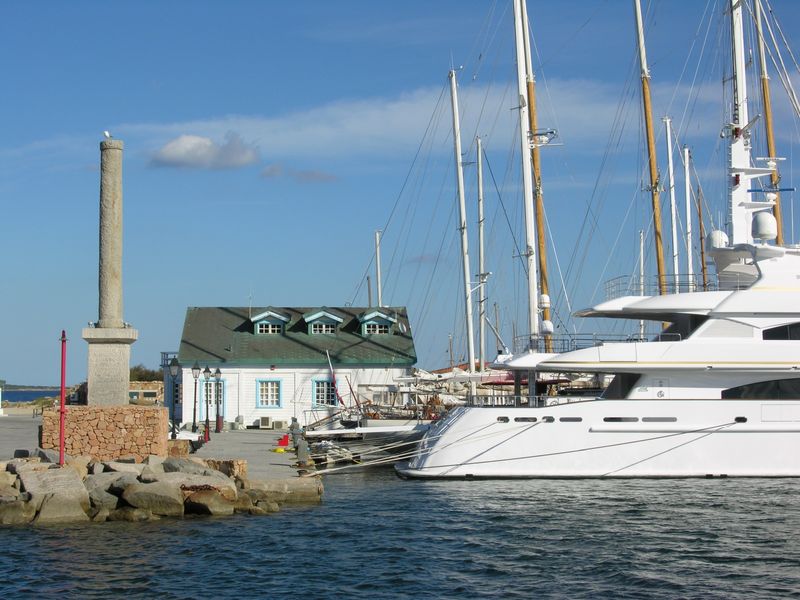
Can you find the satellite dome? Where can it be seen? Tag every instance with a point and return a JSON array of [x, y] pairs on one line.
[[717, 239], [765, 227]]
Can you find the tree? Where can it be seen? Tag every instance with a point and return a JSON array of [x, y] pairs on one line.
[[142, 373]]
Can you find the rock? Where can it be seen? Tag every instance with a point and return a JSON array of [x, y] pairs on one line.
[[243, 503], [107, 481], [100, 515], [148, 475], [96, 467], [124, 467], [16, 513], [296, 490], [8, 493], [119, 484], [79, 464], [7, 478], [268, 506], [59, 508], [101, 499], [154, 462], [192, 483], [160, 498], [236, 468], [48, 455], [184, 465], [16, 465], [257, 511], [63, 483], [208, 502], [129, 513]]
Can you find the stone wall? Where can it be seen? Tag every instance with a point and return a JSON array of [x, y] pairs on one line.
[[109, 432]]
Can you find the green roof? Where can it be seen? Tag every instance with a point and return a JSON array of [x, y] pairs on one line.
[[225, 335]]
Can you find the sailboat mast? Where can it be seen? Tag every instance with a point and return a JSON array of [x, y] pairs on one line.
[[703, 265], [527, 179], [688, 211], [378, 281], [462, 222], [481, 265], [651, 151], [544, 286], [767, 102], [672, 207]]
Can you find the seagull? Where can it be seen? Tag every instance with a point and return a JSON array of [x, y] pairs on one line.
[[107, 134]]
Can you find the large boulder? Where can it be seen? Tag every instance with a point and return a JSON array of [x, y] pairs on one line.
[[131, 514], [208, 502], [184, 465], [160, 498], [8, 493], [59, 508], [16, 512], [124, 467], [7, 478], [103, 500], [192, 483], [295, 490], [111, 482], [63, 483]]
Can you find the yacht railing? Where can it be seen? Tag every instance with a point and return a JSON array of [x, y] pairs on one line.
[[511, 401], [626, 285], [568, 342]]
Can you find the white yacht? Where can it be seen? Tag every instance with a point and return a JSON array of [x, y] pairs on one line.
[[716, 394]]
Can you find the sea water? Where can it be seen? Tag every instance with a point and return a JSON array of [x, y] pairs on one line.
[[29, 395], [377, 536]]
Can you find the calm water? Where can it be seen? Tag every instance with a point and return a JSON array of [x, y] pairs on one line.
[[28, 395], [381, 537]]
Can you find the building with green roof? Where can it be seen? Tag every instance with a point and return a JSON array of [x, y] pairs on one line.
[[263, 366]]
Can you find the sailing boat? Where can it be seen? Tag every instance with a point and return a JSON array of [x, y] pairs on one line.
[[719, 395]]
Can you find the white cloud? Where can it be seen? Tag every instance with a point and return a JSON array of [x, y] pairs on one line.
[[198, 152]]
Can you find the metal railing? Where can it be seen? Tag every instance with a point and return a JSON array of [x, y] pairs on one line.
[[511, 401], [568, 342]]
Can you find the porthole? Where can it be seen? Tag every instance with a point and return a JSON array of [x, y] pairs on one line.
[[525, 419], [571, 419], [548, 419], [620, 419], [741, 419], [502, 419], [659, 419]]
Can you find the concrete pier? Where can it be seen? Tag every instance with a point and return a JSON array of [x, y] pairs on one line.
[[110, 339]]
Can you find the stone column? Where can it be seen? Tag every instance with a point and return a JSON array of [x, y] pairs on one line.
[[110, 339]]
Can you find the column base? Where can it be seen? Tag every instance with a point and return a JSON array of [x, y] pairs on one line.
[[108, 375]]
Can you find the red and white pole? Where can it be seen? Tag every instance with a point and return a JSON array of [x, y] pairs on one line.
[[63, 409]]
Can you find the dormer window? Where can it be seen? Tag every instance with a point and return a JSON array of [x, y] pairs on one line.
[[269, 328], [376, 328], [318, 327]]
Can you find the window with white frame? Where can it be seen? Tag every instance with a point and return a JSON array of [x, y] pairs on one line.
[[324, 393], [320, 327], [376, 328], [265, 327], [268, 394]]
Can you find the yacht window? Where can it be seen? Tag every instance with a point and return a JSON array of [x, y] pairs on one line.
[[777, 389], [741, 419], [620, 386], [548, 419], [620, 419], [502, 419], [525, 419], [784, 332], [659, 419], [571, 419]]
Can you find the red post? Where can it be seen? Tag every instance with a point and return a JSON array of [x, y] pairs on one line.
[[63, 409]]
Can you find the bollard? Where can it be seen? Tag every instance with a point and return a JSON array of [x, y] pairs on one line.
[[303, 455], [296, 431]]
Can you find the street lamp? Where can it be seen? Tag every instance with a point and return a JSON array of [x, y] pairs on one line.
[[174, 367], [195, 374], [207, 376], [218, 396]]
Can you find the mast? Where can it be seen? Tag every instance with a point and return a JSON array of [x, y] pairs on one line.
[[481, 266], [651, 151], [462, 226], [544, 286], [641, 278], [688, 211], [672, 208], [525, 136], [767, 102], [378, 284], [703, 265]]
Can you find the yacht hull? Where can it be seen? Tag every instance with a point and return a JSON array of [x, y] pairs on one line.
[[614, 438]]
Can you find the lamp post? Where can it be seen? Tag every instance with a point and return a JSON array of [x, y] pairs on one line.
[[195, 374], [207, 432], [174, 367], [218, 397]]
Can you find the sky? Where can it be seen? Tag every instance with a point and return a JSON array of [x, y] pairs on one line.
[[265, 143]]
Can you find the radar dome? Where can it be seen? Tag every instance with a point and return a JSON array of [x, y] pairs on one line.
[[717, 239], [765, 227], [547, 327]]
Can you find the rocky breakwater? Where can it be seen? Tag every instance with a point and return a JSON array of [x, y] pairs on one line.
[[35, 490]]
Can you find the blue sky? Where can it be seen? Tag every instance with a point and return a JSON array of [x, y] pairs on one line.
[[266, 142]]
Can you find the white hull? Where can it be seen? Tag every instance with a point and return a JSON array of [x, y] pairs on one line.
[[705, 439]]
